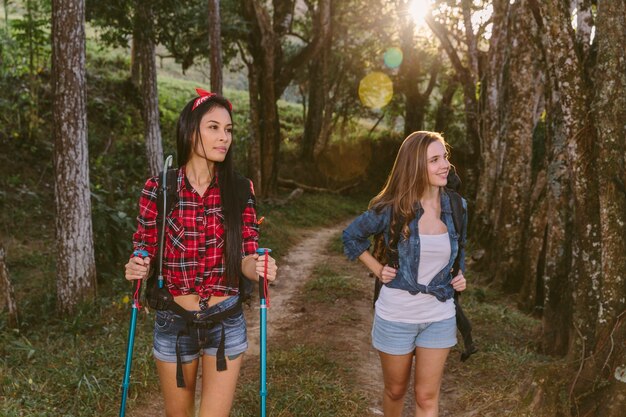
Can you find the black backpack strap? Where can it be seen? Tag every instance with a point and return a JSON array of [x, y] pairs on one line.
[[462, 322], [160, 298], [458, 217], [172, 197]]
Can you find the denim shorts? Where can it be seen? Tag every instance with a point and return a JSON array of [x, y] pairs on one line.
[[397, 338], [199, 340]]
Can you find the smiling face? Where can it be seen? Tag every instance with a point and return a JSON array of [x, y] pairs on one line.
[[437, 164], [216, 129]]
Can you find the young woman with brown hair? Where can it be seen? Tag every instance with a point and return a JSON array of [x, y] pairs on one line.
[[415, 311]]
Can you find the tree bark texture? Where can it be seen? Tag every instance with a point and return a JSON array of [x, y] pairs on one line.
[[513, 141], [609, 109], [149, 89], [591, 122], [7, 294], [76, 270], [215, 46], [577, 127], [489, 119]]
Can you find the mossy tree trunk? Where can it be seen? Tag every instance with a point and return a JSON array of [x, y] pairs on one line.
[[585, 306]]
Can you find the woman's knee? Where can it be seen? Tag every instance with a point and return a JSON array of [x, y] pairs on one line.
[[426, 399], [395, 392]]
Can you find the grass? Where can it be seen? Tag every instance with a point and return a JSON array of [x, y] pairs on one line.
[[74, 366], [283, 224], [304, 381]]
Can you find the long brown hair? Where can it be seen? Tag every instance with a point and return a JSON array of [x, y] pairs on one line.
[[408, 179]]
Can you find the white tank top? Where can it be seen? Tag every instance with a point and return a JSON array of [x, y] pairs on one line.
[[399, 305]]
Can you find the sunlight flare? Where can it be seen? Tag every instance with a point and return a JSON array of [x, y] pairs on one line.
[[418, 10]]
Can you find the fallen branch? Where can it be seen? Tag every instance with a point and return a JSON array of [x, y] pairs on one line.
[[294, 184]]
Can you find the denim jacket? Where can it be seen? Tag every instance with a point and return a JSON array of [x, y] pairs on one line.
[[356, 241]]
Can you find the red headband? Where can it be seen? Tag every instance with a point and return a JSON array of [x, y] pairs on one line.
[[204, 96]]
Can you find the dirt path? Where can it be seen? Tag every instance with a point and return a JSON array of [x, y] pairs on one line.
[[290, 316], [294, 269]]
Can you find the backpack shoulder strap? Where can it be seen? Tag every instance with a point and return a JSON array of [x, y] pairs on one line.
[[458, 211], [171, 188], [458, 217]]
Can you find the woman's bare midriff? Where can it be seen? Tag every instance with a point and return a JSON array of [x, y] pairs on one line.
[[190, 302]]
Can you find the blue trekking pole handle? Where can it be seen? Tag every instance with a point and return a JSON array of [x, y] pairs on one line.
[[166, 165], [263, 332], [131, 340]]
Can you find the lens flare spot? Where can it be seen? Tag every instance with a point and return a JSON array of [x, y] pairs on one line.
[[375, 90], [393, 57]]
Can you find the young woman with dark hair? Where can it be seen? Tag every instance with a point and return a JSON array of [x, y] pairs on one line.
[[209, 243], [415, 311]]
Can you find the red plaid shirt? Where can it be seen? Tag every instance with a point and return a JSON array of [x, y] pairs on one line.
[[193, 261]]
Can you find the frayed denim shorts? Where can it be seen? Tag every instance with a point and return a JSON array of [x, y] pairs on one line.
[[199, 340], [397, 338]]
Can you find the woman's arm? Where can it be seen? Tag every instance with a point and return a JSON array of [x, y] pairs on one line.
[[356, 235], [384, 272]]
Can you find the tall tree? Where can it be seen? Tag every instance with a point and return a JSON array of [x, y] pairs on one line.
[[319, 112], [270, 70], [420, 65], [76, 268], [149, 90], [215, 46]]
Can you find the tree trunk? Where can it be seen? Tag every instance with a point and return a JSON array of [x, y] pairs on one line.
[[76, 270], [555, 277], [215, 46], [319, 90], [512, 188], [254, 156], [7, 299], [489, 117], [580, 133], [610, 115], [149, 90], [273, 75], [444, 111]]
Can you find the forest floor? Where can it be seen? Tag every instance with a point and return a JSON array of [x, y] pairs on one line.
[[323, 301]]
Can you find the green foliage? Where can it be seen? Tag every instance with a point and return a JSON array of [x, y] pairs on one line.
[[74, 366]]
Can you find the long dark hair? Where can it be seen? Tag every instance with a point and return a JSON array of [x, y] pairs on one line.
[[187, 137]]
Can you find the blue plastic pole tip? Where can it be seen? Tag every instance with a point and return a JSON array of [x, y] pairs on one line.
[[141, 253], [261, 251]]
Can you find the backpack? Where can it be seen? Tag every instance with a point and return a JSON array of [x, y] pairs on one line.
[[389, 255], [160, 298]]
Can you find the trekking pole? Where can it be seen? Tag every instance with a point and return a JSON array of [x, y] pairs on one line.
[[263, 294], [131, 338]]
